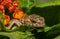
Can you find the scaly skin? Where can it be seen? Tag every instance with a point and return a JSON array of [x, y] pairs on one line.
[[30, 20], [34, 20]]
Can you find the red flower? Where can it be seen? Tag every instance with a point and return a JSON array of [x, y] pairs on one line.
[[3, 3], [2, 0], [8, 3], [11, 9], [1, 8]]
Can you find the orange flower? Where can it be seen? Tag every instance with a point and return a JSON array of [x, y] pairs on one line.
[[6, 19], [18, 14], [15, 3]]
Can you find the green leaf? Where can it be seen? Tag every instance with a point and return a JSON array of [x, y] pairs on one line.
[[2, 27], [26, 3], [53, 32], [18, 35], [53, 3], [58, 37], [1, 18]]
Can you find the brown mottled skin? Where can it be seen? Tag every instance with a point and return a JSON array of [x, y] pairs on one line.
[[30, 20]]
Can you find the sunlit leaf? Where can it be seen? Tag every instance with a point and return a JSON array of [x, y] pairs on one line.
[[18, 35], [51, 3]]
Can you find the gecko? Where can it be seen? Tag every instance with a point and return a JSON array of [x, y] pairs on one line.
[[32, 20]]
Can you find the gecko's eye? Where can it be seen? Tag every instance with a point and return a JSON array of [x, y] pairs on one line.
[[33, 21]]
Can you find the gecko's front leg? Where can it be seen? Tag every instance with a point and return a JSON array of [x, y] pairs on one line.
[[14, 23]]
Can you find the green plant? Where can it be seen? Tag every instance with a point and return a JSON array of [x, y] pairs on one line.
[[50, 11]]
